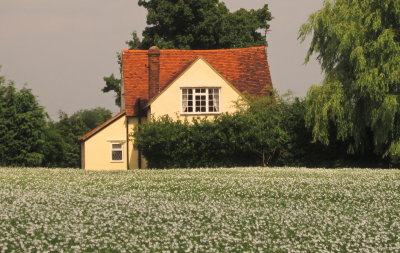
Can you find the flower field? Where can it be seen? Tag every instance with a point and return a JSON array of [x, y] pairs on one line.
[[202, 210]]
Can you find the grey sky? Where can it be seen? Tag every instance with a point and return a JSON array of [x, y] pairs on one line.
[[63, 48]]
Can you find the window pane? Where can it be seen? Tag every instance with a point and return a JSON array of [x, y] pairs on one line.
[[116, 155], [184, 103], [200, 91], [187, 100], [211, 106], [117, 146], [213, 100]]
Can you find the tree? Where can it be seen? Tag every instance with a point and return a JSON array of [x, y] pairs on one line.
[[22, 126], [54, 148], [113, 84], [70, 128], [266, 131], [202, 24], [94, 117], [357, 43], [196, 24]]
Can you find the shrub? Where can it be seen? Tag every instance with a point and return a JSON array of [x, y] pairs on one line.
[[255, 135], [267, 131]]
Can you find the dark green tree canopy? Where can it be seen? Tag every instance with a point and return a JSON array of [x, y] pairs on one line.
[[358, 45], [22, 126], [202, 24], [113, 84]]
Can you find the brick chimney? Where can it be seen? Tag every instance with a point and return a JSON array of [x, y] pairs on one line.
[[154, 71]]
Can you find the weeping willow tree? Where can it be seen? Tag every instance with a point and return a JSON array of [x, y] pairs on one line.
[[357, 43]]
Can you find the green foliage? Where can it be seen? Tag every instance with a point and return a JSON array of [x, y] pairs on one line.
[[195, 24], [134, 42], [394, 152], [202, 24], [113, 84], [94, 117], [22, 126], [54, 148], [260, 133], [358, 45], [267, 131], [70, 128]]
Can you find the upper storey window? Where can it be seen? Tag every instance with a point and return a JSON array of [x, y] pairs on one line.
[[200, 100]]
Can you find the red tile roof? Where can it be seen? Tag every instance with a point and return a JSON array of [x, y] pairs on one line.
[[245, 68], [101, 127]]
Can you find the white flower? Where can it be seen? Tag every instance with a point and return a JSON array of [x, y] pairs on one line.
[[201, 210]]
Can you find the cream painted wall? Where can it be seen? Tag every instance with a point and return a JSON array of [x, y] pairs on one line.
[[97, 149], [199, 74], [133, 152]]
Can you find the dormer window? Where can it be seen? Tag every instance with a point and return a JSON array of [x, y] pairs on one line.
[[200, 100]]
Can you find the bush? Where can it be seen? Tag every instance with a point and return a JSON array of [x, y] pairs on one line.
[[268, 131], [258, 134]]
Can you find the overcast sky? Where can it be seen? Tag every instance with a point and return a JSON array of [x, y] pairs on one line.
[[62, 49]]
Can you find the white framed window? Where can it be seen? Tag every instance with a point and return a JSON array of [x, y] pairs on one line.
[[200, 100], [117, 152]]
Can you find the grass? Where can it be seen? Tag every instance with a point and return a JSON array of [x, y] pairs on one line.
[[203, 210]]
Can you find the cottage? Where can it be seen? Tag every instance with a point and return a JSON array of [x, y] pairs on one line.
[[178, 83]]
